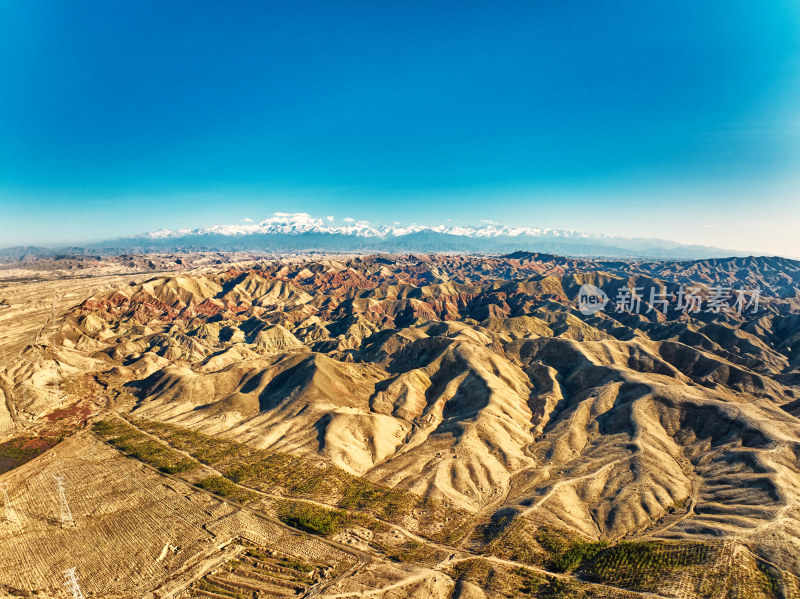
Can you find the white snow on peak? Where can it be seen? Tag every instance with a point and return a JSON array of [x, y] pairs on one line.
[[295, 223], [160, 234]]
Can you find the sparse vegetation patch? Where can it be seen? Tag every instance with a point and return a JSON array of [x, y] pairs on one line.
[[292, 476], [224, 488], [143, 448], [17, 451], [642, 565], [312, 518], [565, 551]]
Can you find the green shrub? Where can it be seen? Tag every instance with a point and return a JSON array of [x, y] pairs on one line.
[[556, 588], [565, 551], [575, 555], [363, 495], [142, 447], [221, 486], [295, 565], [312, 518], [204, 585], [529, 580], [105, 427], [771, 579], [640, 565]]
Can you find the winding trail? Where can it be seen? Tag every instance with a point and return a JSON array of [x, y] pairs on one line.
[[375, 592], [568, 481]]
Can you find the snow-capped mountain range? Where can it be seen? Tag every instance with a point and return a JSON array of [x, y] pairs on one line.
[[299, 231], [285, 232], [301, 222]]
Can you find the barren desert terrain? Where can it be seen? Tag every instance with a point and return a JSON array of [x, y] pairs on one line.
[[235, 425]]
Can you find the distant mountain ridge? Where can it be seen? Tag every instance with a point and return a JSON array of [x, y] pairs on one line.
[[301, 222], [298, 232]]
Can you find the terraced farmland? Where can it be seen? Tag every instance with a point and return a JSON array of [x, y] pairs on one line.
[[262, 572]]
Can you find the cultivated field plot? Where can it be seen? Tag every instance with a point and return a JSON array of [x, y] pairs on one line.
[[131, 529], [262, 572], [258, 531], [137, 533]]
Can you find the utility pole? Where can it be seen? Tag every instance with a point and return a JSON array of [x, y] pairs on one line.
[[66, 513], [72, 583]]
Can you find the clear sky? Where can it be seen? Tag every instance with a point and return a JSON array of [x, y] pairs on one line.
[[677, 119]]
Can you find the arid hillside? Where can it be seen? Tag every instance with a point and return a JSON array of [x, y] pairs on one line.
[[512, 423]]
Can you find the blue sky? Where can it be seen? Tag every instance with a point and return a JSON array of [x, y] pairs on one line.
[[673, 119]]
